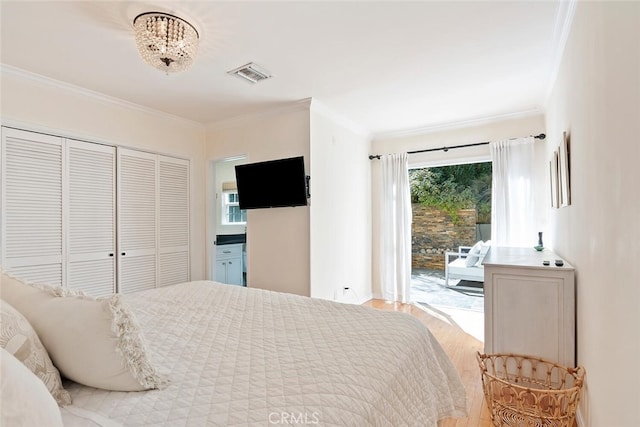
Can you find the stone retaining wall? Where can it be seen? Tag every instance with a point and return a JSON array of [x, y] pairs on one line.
[[434, 233]]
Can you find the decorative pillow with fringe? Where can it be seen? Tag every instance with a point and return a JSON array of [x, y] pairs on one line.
[[92, 341]]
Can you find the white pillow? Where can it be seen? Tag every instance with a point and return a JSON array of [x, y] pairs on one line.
[[483, 252], [25, 402], [19, 339], [92, 341], [472, 258]]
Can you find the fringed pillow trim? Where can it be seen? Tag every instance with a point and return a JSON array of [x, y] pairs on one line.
[[131, 346]]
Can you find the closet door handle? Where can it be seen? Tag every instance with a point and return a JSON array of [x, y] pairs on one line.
[[124, 253], [110, 254]]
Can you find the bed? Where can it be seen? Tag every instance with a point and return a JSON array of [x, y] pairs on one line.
[[236, 357]]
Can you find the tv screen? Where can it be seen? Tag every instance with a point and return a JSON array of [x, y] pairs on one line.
[[272, 184]]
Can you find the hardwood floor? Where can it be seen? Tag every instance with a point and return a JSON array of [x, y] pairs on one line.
[[461, 348]]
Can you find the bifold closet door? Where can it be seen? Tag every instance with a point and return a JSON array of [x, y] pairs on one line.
[[32, 200], [90, 177], [173, 232], [137, 220]]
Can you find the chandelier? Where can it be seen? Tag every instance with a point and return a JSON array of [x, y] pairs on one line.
[[165, 41]]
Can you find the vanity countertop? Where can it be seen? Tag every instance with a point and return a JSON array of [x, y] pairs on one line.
[[229, 239]]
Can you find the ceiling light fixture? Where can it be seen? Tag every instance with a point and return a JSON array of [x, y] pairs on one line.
[[165, 41]]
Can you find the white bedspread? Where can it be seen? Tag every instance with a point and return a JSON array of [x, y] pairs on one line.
[[238, 356]]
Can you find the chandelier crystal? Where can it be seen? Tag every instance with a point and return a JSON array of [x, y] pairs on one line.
[[165, 41]]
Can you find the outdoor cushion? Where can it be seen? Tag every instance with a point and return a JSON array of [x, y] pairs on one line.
[[474, 253]]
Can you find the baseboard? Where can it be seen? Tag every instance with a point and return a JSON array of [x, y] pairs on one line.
[[378, 296], [352, 298], [365, 298]]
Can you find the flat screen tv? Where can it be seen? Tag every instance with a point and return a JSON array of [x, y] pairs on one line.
[[272, 184]]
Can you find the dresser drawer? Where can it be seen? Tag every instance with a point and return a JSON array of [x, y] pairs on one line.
[[223, 251]]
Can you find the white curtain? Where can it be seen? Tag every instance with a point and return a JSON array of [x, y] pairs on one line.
[[395, 250], [513, 214]]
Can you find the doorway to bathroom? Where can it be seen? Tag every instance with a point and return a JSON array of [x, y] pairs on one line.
[[228, 261]]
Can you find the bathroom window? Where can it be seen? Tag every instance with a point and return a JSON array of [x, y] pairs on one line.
[[231, 213]]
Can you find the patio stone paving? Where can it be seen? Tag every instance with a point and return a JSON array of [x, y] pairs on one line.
[[427, 286]]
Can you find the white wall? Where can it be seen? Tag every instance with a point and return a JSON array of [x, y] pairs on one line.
[[278, 238], [340, 209], [596, 99], [504, 129], [36, 103]]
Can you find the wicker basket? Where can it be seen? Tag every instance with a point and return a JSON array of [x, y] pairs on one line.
[[529, 391]]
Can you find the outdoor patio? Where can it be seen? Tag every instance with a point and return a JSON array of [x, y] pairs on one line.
[[458, 307]]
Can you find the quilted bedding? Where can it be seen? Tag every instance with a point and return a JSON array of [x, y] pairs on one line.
[[238, 357]]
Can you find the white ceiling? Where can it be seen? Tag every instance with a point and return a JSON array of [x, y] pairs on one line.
[[385, 66]]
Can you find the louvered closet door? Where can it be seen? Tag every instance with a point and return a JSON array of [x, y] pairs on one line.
[[137, 230], [91, 241], [173, 232], [32, 239]]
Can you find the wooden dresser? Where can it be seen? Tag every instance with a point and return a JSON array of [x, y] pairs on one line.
[[529, 308]]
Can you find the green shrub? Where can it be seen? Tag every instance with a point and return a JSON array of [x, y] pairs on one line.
[[451, 188]]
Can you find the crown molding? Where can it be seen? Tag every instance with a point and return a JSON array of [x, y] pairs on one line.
[[457, 125], [302, 104], [319, 107], [309, 104], [98, 96], [562, 29]]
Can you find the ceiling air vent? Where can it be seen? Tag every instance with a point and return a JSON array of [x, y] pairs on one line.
[[251, 73]]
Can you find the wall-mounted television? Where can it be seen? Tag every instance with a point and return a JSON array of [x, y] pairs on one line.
[[272, 184]]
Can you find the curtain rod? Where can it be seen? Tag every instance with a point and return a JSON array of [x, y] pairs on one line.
[[445, 149]]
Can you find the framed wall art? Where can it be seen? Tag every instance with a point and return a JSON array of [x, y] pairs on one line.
[[554, 170], [565, 170]]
